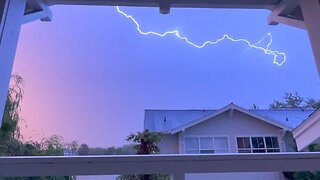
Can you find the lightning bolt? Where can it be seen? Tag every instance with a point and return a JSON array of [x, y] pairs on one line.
[[278, 57]]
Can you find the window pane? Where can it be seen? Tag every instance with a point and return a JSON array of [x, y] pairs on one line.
[[257, 142], [206, 151], [220, 143], [272, 142], [192, 152], [244, 151], [243, 142], [240, 143], [275, 142], [206, 143], [268, 142], [258, 150], [192, 143], [273, 150]]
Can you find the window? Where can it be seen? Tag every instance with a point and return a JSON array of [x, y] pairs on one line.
[[258, 144], [206, 145], [221, 145], [192, 145]]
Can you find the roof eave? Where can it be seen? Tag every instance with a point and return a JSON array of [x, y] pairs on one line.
[[226, 108]]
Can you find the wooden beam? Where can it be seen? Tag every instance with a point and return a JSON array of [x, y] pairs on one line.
[[164, 6], [11, 15], [40, 11], [311, 14], [276, 19], [248, 4], [44, 15], [281, 12]]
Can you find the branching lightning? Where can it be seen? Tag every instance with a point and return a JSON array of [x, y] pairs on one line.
[[278, 57]]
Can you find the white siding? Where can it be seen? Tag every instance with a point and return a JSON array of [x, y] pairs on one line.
[[307, 132], [239, 124], [169, 144], [228, 124]]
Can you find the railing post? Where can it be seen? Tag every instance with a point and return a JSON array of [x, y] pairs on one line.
[[178, 176], [11, 14]]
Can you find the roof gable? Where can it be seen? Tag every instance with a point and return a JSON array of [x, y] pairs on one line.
[[224, 109], [172, 121]]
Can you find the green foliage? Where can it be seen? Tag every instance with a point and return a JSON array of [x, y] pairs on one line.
[[10, 131], [145, 143], [294, 100], [314, 148], [10, 121], [83, 149], [290, 100], [144, 177], [73, 146], [306, 175], [254, 106], [312, 103], [40, 178], [11, 139]]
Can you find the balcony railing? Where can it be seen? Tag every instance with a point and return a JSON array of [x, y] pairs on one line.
[[175, 164]]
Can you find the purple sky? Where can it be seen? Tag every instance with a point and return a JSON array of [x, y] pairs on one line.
[[89, 74]]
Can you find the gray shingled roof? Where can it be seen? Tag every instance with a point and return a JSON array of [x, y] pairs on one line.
[[168, 120]]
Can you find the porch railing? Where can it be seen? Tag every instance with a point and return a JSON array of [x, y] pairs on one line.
[[174, 164]]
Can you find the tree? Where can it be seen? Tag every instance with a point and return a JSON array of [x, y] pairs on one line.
[[11, 139], [294, 100], [145, 143], [127, 149], [83, 149], [10, 124], [73, 147], [254, 107], [312, 103], [10, 130], [291, 100]]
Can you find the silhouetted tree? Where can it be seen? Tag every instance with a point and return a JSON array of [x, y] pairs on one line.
[[294, 100], [145, 143], [11, 140], [254, 106], [312, 103], [83, 149]]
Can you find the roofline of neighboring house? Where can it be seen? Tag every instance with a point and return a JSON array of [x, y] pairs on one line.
[[208, 109], [204, 109], [306, 124], [284, 109], [231, 106]]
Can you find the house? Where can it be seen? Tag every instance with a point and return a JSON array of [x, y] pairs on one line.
[[308, 131], [69, 152], [231, 129]]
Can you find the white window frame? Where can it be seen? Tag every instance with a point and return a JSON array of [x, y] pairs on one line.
[[264, 141], [204, 136]]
